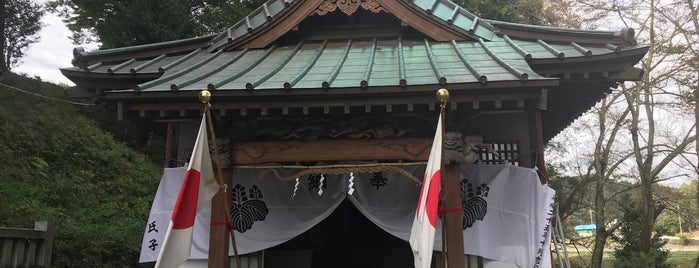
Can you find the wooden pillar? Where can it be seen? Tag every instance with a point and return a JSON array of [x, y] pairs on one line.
[[453, 217], [219, 235], [168, 145], [542, 106], [540, 148]]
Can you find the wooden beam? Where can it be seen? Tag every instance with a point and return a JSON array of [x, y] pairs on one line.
[[168, 144], [120, 111], [540, 148], [219, 232], [453, 216], [401, 149]]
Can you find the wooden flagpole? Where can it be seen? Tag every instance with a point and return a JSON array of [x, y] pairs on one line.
[[452, 202], [205, 97]]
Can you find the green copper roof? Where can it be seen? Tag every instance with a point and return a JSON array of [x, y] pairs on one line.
[[451, 14], [336, 64], [278, 64], [355, 63], [454, 14]]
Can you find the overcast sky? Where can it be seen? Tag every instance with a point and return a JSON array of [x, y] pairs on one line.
[[53, 51]]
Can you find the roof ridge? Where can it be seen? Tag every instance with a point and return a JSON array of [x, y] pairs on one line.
[[453, 15], [624, 37], [82, 58], [80, 51]]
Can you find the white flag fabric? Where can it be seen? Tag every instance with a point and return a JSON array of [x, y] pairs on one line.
[[161, 212], [424, 225], [198, 187]]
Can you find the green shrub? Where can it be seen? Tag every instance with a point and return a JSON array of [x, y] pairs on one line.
[[628, 254], [60, 167], [576, 262], [684, 240]]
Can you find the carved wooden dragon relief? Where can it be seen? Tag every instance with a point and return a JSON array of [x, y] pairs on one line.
[[348, 6]]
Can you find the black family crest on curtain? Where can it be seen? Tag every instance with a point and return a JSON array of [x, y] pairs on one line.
[[247, 207], [473, 202]]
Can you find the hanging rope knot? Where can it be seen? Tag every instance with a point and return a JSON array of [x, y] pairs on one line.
[[224, 187], [444, 210]]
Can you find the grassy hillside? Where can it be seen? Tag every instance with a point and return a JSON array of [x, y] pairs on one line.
[[58, 166]]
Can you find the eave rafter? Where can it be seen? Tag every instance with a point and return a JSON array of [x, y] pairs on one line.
[[180, 105]]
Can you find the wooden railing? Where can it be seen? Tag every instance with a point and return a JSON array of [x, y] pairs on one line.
[[20, 247]]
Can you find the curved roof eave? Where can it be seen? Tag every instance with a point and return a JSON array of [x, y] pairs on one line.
[[241, 95], [624, 37], [82, 58]]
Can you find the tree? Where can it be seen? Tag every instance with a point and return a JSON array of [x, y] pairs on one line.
[[680, 215], [560, 13], [3, 69], [120, 23], [688, 210], [21, 24], [597, 166], [572, 192], [645, 98], [655, 129], [628, 253], [519, 11]]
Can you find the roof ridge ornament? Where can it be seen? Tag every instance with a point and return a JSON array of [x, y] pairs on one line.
[[348, 6]]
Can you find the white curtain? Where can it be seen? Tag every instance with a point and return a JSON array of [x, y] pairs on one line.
[[506, 205]]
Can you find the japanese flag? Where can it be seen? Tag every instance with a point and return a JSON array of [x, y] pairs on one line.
[[424, 225], [198, 187]]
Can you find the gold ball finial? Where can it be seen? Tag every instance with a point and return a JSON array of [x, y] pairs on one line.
[[443, 95], [205, 96]]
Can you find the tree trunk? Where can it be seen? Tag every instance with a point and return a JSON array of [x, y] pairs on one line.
[[600, 232], [648, 215], [696, 143], [3, 68]]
